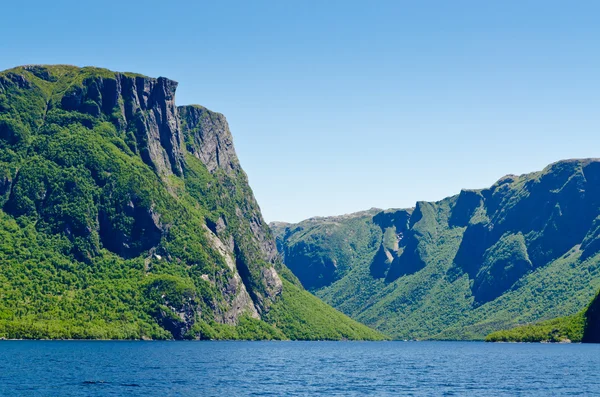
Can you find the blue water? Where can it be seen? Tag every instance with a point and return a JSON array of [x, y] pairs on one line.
[[73, 368]]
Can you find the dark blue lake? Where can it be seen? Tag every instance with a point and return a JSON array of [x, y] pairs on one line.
[[73, 368]]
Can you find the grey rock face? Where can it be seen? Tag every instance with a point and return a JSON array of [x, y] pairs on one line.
[[261, 231], [235, 293], [15, 78], [208, 138], [178, 321], [131, 221], [267, 252], [143, 107], [151, 106], [467, 203], [273, 281]]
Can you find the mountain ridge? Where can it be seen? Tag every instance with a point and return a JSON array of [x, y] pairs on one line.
[[450, 269]]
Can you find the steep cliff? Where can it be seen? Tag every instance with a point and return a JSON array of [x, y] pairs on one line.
[[523, 250], [124, 216]]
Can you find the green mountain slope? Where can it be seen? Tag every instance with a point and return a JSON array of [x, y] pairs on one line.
[[524, 250], [562, 329], [581, 327], [124, 216]]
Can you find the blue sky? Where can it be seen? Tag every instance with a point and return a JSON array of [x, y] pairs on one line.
[[339, 106]]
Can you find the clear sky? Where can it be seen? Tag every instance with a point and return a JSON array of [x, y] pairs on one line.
[[339, 106]]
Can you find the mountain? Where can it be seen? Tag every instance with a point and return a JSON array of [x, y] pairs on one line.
[[525, 249], [125, 216]]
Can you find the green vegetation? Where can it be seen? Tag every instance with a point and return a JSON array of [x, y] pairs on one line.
[[563, 329], [485, 260], [110, 228], [247, 329], [581, 327], [302, 316], [321, 250]]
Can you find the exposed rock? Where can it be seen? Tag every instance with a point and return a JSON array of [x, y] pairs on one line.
[[555, 211], [523, 243], [41, 72], [313, 267], [72, 187], [18, 79], [150, 103], [261, 231], [591, 242], [235, 292], [177, 321], [145, 107], [316, 267], [207, 137], [273, 281]]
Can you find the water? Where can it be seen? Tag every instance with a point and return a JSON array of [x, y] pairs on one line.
[[74, 368]]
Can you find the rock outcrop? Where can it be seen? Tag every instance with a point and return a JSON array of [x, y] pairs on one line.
[[238, 301], [141, 106], [209, 139]]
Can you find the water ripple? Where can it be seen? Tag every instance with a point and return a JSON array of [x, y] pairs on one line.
[[148, 369]]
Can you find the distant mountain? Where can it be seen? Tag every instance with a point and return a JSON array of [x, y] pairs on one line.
[[523, 250], [125, 216]]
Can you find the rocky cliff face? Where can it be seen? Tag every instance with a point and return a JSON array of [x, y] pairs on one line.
[[143, 107], [209, 139], [88, 129], [458, 267]]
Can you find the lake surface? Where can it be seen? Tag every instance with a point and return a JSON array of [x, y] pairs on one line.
[[82, 368]]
